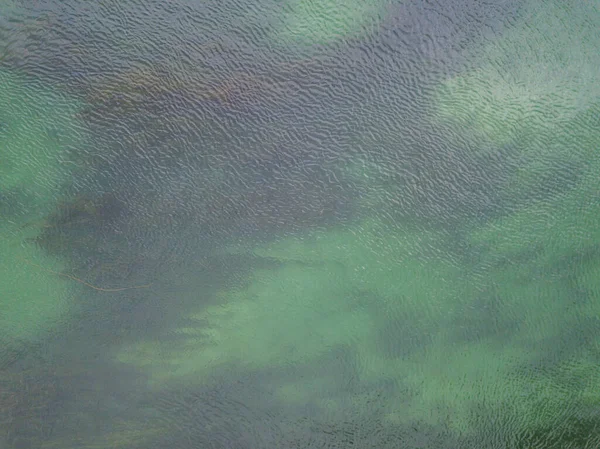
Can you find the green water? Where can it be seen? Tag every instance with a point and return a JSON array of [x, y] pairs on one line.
[[396, 326], [38, 131]]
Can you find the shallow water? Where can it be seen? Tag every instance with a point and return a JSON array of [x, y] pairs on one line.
[[305, 224]]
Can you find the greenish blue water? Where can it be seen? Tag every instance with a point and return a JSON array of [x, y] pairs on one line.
[[299, 224]]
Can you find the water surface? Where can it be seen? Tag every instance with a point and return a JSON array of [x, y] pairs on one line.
[[299, 224]]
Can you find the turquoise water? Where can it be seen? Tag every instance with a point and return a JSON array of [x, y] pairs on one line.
[[299, 224]]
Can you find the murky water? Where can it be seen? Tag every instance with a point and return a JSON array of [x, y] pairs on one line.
[[301, 224]]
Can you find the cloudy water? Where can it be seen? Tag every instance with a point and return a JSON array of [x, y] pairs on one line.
[[300, 224]]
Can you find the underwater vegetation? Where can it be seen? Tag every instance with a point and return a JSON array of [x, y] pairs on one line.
[[452, 361], [26, 406], [489, 328], [424, 333], [37, 400], [38, 133]]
